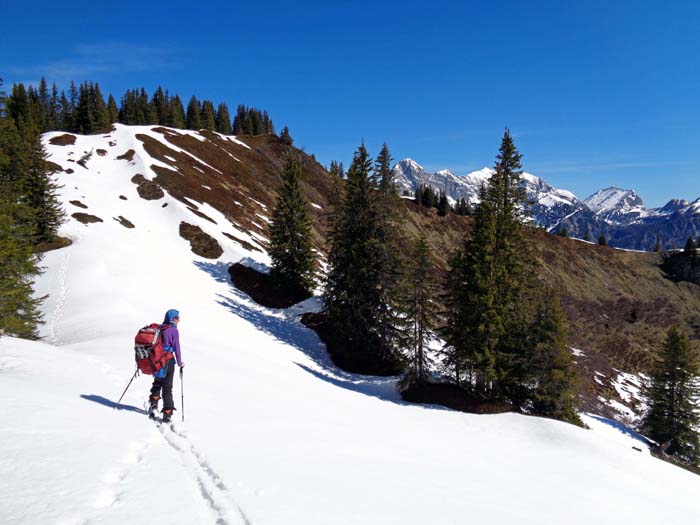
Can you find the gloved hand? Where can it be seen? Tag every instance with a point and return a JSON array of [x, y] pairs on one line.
[[182, 365]]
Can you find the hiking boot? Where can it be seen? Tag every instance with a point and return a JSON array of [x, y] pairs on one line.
[[153, 406], [167, 414]]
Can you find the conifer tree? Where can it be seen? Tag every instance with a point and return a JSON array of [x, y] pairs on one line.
[[417, 305], [40, 193], [388, 263], [336, 169], [19, 315], [690, 247], [286, 137], [194, 118], [555, 387], [602, 241], [443, 205], [112, 110], [352, 293], [492, 290], [208, 118], [587, 236], [176, 118], [223, 120], [672, 419], [293, 260], [657, 244]]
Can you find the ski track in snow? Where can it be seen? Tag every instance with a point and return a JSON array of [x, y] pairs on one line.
[[212, 487]]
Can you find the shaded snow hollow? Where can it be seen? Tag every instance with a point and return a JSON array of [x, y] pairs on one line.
[[274, 433]]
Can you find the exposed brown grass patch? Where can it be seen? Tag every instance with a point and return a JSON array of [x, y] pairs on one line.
[[127, 156], [86, 218], [63, 140], [79, 204], [201, 243], [124, 222]]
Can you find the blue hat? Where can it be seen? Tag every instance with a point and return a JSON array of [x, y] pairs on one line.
[[170, 315]]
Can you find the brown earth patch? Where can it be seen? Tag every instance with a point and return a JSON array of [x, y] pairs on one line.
[[112, 143], [63, 140], [201, 243], [451, 396], [86, 218], [150, 191], [127, 156], [202, 215], [79, 204], [122, 197], [165, 205], [124, 222], [69, 171], [262, 289], [101, 152], [243, 243]]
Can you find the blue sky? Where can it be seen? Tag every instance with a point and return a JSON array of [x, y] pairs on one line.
[[596, 93]]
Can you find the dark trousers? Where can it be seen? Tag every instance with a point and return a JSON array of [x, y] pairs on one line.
[[166, 385]]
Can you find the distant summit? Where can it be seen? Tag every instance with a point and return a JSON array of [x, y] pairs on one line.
[[616, 213]]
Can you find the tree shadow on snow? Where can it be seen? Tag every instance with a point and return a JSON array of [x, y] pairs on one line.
[[284, 325], [622, 428], [111, 404]]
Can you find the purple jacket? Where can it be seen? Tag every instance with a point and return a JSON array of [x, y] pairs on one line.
[[171, 341]]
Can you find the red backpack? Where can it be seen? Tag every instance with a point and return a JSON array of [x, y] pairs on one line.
[[150, 356]]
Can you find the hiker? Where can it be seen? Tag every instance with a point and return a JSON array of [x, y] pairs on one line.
[[163, 379]]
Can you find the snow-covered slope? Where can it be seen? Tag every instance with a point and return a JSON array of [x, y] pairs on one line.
[[273, 432]]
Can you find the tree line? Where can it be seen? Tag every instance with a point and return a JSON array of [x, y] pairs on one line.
[[30, 215], [83, 109]]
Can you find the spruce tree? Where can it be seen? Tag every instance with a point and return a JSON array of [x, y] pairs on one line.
[[293, 260], [207, 116], [194, 118], [19, 315], [286, 137], [556, 382], [388, 262], [443, 205], [491, 290], [40, 193], [690, 247], [223, 120], [352, 293], [602, 241], [672, 419], [176, 118], [112, 110], [418, 308]]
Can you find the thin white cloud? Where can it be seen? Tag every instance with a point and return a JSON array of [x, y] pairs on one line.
[[87, 61], [588, 167]]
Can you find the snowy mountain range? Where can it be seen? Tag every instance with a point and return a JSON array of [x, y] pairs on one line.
[[618, 214]]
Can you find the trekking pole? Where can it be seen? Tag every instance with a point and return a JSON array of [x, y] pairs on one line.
[[182, 394], [127, 387]]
